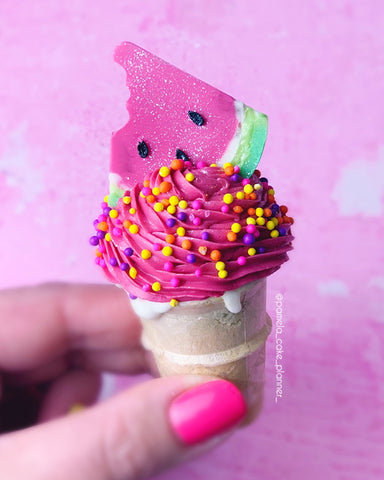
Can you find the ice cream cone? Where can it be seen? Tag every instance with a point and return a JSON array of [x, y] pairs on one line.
[[205, 338]]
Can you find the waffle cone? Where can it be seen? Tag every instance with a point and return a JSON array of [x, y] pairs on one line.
[[205, 338]]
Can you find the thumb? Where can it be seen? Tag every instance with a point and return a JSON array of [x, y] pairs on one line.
[[133, 435]]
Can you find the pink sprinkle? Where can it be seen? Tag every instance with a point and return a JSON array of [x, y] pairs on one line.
[[236, 169], [156, 247], [117, 232], [104, 205], [102, 263], [118, 221], [251, 228], [265, 185], [256, 233], [198, 272], [197, 221], [102, 248], [245, 181], [97, 260], [175, 282], [188, 163], [200, 164], [241, 260], [102, 218], [196, 204], [146, 191], [146, 287], [225, 208], [168, 266]]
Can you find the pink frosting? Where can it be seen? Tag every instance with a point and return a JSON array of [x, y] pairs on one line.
[[180, 275]]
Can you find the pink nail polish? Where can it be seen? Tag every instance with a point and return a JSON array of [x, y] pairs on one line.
[[206, 411]]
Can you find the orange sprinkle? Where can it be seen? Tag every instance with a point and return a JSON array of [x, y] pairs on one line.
[[283, 209], [271, 199], [150, 198], [291, 220], [267, 212], [165, 202], [247, 196], [103, 226], [231, 236], [170, 238], [98, 253], [215, 255], [146, 183], [286, 219], [237, 209], [229, 170], [251, 211], [177, 164], [186, 244], [253, 196], [280, 220], [127, 223], [164, 187]]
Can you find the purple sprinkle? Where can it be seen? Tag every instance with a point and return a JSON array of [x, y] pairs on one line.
[[171, 222], [182, 216], [249, 239], [128, 252], [94, 240], [106, 211], [191, 258], [124, 266], [100, 234], [235, 177], [282, 231], [95, 222], [132, 297], [113, 261], [205, 236], [261, 250]]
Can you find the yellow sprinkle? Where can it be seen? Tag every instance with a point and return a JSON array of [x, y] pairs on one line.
[[106, 199], [156, 287], [260, 221], [270, 225], [228, 198], [190, 177], [248, 188], [173, 200], [108, 237], [257, 186], [213, 165], [275, 221], [164, 171], [181, 231], [271, 191], [156, 191], [142, 195], [167, 251], [132, 211], [274, 233], [240, 195], [236, 227], [259, 212], [146, 254], [174, 302], [158, 207], [251, 221], [133, 228], [132, 272], [227, 164], [183, 204], [127, 200], [223, 274], [220, 266], [113, 213], [171, 209], [251, 251]]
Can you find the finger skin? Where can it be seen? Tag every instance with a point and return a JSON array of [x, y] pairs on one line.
[[127, 437]]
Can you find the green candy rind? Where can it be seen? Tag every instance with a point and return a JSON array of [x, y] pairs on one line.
[[253, 136], [115, 193]]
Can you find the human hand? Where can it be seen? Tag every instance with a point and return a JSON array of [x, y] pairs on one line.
[[55, 340]]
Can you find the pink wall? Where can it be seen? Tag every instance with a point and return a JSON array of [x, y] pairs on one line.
[[317, 71]]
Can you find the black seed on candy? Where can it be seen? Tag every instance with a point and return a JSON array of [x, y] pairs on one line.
[[181, 155], [142, 148], [196, 118]]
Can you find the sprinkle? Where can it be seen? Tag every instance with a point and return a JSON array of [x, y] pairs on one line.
[[146, 191], [282, 231], [106, 199], [173, 302], [270, 225], [182, 216], [283, 209], [229, 170], [132, 211], [102, 218], [102, 263], [171, 209], [170, 238], [267, 212], [94, 241], [249, 238], [251, 251], [257, 186], [241, 260], [98, 253], [213, 165], [146, 254], [103, 205], [260, 221], [168, 266], [251, 211], [236, 169], [100, 234], [190, 177], [263, 180], [228, 198], [113, 261], [102, 226], [245, 181], [164, 171], [156, 287], [261, 250], [171, 222], [132, 272], [183, 204], [108, 237], [259, 212], [274, 233], [113, 213], [156, 247], [231, 236], [124, 266], [158, 207], [275, 221], [146, 183], [133, 228], [175, 282], [165, 202], [223, 274], [238, 209], [167, 251], [156, 191], [132, 297], [215, 255], [191, 258], [196, 221], [102, 248], [127, 223], [248, 188], [204, 236], [174, 200], [271, 191], [198, 272], [251, 228], [220, 266], [117, 232], [177, 164], [196, 204], [127, 200], [200, 164], [203, 250], [236, 227], [164, 187], [186, 244], [251, 221], [225, 208], [128, 252], [235, 177], [180, 231], [146, 287]]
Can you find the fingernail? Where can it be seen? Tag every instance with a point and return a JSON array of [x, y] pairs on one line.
[[206, 411]]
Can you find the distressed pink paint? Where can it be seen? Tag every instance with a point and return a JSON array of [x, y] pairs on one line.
[[316, 68]]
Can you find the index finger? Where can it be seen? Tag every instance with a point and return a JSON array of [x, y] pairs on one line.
[[43, 322]]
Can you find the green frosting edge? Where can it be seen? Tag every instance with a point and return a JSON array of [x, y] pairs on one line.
[[252, 141], [115, 193]]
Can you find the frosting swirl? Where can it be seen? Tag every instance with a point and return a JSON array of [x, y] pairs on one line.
[[192, 232]]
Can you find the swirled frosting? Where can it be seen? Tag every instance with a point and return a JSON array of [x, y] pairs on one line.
[[192, 232]]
